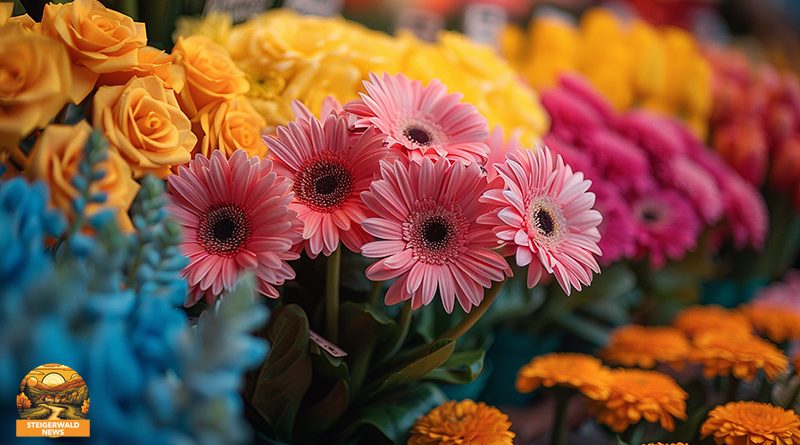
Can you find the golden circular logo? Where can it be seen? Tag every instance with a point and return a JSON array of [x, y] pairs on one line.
[[53, 401]]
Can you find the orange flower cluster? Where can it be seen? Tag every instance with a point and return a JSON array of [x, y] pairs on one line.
[[155, 109], [632, 63], [752, 423], [578, 371], [755, 123], [695, 320], [645, 347], [462, 422], [740, 355], [774, 321], [636, 395]]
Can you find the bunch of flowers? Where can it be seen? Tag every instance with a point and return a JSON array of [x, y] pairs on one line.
[[156, 110], [657, 185], [632, 63], [289, 57]]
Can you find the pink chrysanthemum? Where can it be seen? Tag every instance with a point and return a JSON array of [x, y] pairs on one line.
[[429, 234], [698, 185], [653, 133], [619, 159], [618, 224], [580, 87], [545, 213], [667, 226], [571, 118], [498, 148], [329, 169], [236, 218], [422, 121]]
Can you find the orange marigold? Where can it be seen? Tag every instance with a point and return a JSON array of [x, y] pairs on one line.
[[725, 353], [636, 395], [645, 347], [777, 323], [752, 423], [695, 320], [460, 423], [579, 371], [671, 443]]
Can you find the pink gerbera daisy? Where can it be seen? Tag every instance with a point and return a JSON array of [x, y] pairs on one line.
[[422, 121], [618, 224], [236, 218], [329, 169], [545, 214], [667, 226], [429, 234]]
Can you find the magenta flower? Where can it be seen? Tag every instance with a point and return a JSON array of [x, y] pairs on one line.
[[667, 226], [429, 234], [236, 218]]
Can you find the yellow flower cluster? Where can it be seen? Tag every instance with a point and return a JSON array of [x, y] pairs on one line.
[[632, 63], [155, 109], [288, 57]]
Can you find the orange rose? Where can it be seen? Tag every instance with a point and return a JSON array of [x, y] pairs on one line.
[[230, 126], [211, 75], [35, 81], [5, 12], [55, 159], [143, 121], [99, 40], [151, 62]]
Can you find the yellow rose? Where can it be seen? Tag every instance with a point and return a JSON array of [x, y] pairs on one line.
[[151, 62], [211, 75], [55, 159], [99, 40], [143, 121], [216, 26], [230, 126], [26, 23], [35, 81]]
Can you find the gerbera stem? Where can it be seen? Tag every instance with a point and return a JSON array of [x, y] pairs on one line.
[[332, 294], [558, 436], [474, 315], [375, 293], [400, 334]]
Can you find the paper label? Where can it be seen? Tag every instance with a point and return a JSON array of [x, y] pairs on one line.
[[324, 8], [240, 10], [483, 22], [329, 347], [423, 24]]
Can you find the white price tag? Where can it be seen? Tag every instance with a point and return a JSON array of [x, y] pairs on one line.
[[483, 22], [423, 24], [240, 10], [329, 347], [324, 8]]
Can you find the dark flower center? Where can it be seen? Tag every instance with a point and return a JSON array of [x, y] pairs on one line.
[[544, 221], [418, 135], [223, 230], [435, 232], [650, 215], [324, 185]]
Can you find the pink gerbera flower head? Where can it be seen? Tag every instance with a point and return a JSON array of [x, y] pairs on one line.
[[499, 146], [619, 159], [745, 212], [652, 133], [545, 213], [580, 87], [698, 185], [571, 118], [329, 169], [422, 121], [236, 218], [666, 226], [329, 106], [429, 236], [578, 159]]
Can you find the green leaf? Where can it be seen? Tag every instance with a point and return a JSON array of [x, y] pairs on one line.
[[363, 327], [460, 368], [286, 374], [325, 413], [439, 353], [620, 441], [394, 414]]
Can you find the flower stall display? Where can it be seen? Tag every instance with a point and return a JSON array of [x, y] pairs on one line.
[[294, 229]]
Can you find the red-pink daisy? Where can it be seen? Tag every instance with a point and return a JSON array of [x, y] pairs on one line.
[[429, 236], [422, 121], [545, 213], [667, 226], [236, 218], [329, 169]]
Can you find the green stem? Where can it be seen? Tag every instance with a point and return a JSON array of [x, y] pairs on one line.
[[634, 434], [400, 334], [474, 315], [332, 294], [794, 398], [558, 436], [375, 293], [733, 388]]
